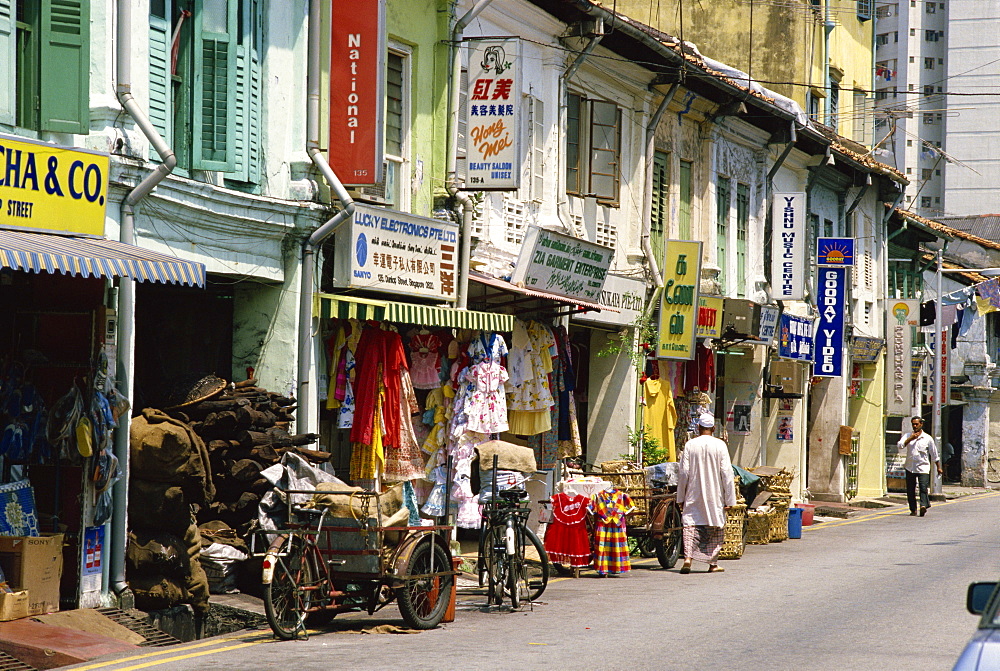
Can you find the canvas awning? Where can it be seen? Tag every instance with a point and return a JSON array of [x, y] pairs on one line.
[[85, 256], [328, 306], [506, 287]]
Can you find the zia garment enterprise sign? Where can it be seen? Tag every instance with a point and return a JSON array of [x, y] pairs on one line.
[[562, 265], [398, 252], [788, 246]]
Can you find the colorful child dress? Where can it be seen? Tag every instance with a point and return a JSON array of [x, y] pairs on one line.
[[610, 542], [566, 539]]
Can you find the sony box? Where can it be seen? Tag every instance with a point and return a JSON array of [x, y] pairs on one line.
[[13, 605], [34, 563]]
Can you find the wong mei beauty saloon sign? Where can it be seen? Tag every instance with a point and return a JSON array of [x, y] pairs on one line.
[[493, 115]]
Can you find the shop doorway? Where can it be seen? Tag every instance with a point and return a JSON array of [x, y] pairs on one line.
[[953, 436], [579, 339], [180, 334]]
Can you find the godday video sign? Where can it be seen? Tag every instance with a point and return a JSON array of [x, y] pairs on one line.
[[832, 299], [679, 306]]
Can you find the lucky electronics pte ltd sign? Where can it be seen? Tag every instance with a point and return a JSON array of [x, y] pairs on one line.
[[43, 186]]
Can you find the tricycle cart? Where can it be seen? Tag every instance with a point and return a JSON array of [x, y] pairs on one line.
[[654, 526], [320, 565]]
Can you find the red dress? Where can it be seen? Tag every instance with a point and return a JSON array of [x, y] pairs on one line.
[[566, 538]]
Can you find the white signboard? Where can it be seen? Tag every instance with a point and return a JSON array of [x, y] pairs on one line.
[[788, 246], [563, 265], [768, 323], [400, 253], [493, 115], [903, 315], [625, 295]]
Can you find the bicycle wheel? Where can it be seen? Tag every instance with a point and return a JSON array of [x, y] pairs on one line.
[[285, 599], [423, 599], [496, 565], [516, 579], [536, 565], [668, 547]]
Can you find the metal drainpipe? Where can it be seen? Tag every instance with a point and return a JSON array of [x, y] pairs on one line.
[[126, 292], [304, 394], [451, 179]]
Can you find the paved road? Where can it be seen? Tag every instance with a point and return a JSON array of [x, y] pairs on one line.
[[880, 591]]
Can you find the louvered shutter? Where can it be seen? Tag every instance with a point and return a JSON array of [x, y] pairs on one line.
[[8, 64], [537, 149], [254, 142], [65, 66], [246, 116], [213, 134], [160, 94]]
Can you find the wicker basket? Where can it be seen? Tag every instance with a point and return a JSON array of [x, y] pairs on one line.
[[759, 527], [625, 477], [778, 482], [736, 521], [779, 521]]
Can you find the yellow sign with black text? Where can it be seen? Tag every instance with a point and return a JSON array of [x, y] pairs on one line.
[[679, 305], [47, 187]]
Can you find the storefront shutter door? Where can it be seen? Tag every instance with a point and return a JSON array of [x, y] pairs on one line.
[[65, 66], [160, 94], [214, 134], [8, 66]]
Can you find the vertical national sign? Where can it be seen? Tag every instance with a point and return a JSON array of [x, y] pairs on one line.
[[832, 300], [357, 90], [903, 316], [788, 246], [493, 114]]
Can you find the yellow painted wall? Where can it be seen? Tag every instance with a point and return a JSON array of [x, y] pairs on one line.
[[866, 416]]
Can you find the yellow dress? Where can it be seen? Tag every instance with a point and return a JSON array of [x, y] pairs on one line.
[[661, 415]]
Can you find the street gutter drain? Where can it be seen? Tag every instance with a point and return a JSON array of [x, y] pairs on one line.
[[8, 663], [154, 637]]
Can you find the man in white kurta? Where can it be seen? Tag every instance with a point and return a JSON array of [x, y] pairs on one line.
[[705, 490]]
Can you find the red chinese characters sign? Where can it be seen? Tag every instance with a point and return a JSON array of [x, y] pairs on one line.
[[493, 115], [357, 85]]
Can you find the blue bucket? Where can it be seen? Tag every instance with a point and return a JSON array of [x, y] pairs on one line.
[[795, 522]]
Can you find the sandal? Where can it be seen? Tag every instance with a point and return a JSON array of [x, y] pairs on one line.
[[686, 567], [715, 568]]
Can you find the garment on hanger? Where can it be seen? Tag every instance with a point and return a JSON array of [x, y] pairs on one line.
[[661, 415], [405, 461], [566, 538], [425, 369], [529, 392], [610, 541]]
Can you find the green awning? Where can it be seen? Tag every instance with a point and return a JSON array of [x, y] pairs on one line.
[[334, 306]]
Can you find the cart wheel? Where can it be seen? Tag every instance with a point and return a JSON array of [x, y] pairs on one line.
[[668, 547], [642, 546], [536, 565], [423, 599], [285, 599]]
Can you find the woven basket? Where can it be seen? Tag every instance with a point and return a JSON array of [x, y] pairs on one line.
[[736, 520], [779, 521], [778, 483], [759, 527]]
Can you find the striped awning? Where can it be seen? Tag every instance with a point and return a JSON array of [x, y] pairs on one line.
[[93, 257], [328, 306]]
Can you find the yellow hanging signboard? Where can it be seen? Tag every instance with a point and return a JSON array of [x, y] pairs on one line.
[[679, 305]]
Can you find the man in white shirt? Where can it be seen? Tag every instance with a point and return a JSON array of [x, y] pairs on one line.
[[705, 490], [921, 452]]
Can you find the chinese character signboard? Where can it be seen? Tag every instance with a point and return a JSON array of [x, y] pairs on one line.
[[398, 252], [835, 251], [902, 317], [493, 114], [624, 295], [768, 323], [47, 187], [795, 338], [562, 265], [788, 247], [357, 90], [832, 299], [679, 308], [709, 317]]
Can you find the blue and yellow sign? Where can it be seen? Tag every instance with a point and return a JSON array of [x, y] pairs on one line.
[[835, 251], [53, 188], [679, 307]]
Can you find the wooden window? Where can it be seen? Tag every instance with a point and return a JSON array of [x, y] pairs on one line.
[[593, 148], [661, 202], [742, 231], [722, 192], [684, 211]]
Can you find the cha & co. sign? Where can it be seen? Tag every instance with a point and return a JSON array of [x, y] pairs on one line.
[[492, 115], [46, 187], [679, 308], [832, 299], [562, 265], [902, 317], [788, 246]]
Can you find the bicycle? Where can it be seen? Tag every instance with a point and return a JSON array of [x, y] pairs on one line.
[[317, 567], [504, 563]]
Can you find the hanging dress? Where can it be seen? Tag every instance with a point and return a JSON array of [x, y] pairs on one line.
[[610, 542], [566, 538], [425, 370]]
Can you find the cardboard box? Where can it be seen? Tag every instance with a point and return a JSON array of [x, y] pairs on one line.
[[13, 605], [34, 563]]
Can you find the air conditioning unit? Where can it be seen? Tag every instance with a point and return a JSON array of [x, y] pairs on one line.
[[740, 317], [374, 193]]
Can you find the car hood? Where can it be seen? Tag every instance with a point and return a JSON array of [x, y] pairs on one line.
[[982, 653]]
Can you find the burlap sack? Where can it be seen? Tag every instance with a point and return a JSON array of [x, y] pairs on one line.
[[156, 553], [157, 505], [510, 457], [349, 506], [197, 588], [164, 449], [157, 592]]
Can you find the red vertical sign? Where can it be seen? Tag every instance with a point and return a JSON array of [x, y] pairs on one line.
[[357, 75]]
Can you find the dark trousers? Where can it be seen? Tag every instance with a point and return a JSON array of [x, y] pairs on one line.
[[912, 480]]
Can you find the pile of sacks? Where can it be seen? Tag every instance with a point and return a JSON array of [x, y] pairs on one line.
[[170, 478]]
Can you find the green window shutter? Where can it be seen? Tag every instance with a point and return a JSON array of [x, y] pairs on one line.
[[246, 115], [65, 66], [160, 101], [661, 202], [241, 116], [8, 64], [254, 143], [213, 134], [684, 211]]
